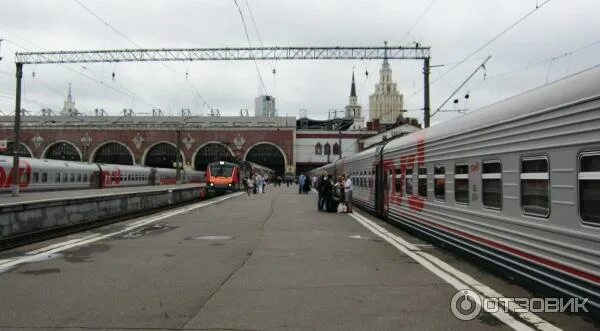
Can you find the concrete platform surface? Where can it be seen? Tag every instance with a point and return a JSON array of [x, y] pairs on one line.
[[7, 198], [265, 262]]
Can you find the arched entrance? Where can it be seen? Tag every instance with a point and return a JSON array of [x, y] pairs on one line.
[[62, 151], [113, 153], [212, 152], [267, 155], [23, 150], [162, 155]]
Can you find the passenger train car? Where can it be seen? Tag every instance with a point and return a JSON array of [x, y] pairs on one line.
[[43, 174], [515, 185]]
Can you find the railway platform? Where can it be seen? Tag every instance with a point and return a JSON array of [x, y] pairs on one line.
[[265, 262], [30, 197]]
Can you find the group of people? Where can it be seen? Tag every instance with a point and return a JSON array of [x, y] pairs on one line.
[[326, 187], [255, 184]]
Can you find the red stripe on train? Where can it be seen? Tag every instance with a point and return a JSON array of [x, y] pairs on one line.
[[527, 256]]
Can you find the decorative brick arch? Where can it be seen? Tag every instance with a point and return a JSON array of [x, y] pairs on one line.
[[45, 151], [143, 160], [193, 159], [97, 148]]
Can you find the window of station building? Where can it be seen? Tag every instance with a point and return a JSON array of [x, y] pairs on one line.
[[589, 187], [535, 186], [44, 177], [439, 183], [318, 149], [422, 184], [408, 180], [336, 149], [461, 183], [491, 184], [398, 181]]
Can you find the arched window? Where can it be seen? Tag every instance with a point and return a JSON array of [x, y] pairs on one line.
[[336, 149], [318, 149], [327, 149]]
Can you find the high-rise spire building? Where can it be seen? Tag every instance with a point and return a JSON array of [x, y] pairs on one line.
[[353, 109], [69, 105], [386, 103]]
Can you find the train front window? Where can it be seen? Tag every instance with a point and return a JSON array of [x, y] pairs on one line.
[[535, 186], [439, 183], [220, 170], [589, 187], [491, 183], [461, 183]]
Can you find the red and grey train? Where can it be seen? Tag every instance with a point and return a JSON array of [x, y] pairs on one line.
[[515, 185], [43, 174], [222, 176]]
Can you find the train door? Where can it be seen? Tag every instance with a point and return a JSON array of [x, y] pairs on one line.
[[379, 190]]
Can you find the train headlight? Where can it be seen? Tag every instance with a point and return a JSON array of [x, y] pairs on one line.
[[212, 184], [229, 184]]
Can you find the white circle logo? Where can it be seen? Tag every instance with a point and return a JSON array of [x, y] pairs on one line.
[[465, 305]]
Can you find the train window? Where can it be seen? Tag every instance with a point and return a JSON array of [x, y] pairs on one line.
[[535, 183], [25, 177], [57, 178], [85, 179], [65, 177], [36, 177], [398, 181], [79, 177], [491, 184], [461, 183], [422, 184], [589, 187], [44, 177], [409, 182], [439, 183], [72, 177]]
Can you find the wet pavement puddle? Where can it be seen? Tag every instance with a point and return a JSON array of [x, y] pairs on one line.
[[210, 238], [147, 230]]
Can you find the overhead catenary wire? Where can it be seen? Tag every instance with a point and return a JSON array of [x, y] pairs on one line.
[[417, 21], [89, 10], [484, 45], [262, 83]]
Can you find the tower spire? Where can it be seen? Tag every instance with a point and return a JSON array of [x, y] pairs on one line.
[[385, 54], [69, 96], [353, 87]]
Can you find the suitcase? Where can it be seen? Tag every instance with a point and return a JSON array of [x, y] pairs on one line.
[[332, 205]]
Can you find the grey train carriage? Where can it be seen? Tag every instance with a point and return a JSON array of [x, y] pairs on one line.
[[515, 185]]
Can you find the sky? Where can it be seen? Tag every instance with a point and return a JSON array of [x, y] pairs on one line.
[[557, 39]]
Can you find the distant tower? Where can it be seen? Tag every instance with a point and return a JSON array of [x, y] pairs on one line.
[[264, 106], [69, 105], [386, 103], [353, 109]]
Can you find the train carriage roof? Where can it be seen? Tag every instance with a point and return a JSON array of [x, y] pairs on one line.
[[578, 87]]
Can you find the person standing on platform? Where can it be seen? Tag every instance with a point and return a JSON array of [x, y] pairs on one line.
[[347, 192], [249, 186], [259, 183], [301, 183], [320, 191]]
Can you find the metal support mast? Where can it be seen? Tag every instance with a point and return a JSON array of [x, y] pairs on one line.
[[17, 142]]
